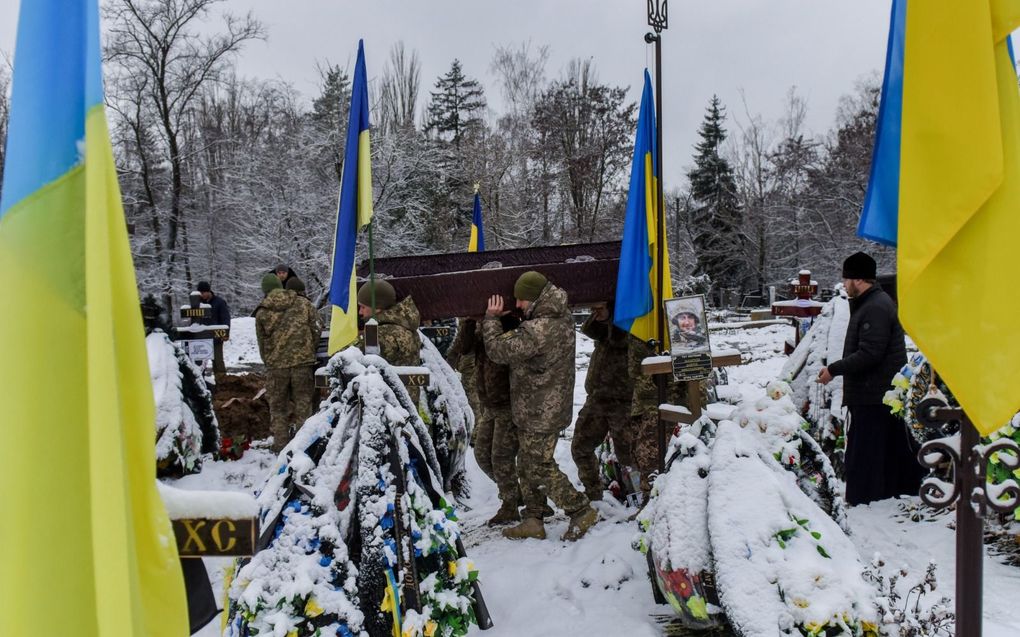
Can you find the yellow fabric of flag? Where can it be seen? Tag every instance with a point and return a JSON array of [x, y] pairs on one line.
[[86, 545], [959, 215]]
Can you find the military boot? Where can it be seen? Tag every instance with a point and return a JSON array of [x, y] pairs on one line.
[[580, 522], [547, 511], [529, 528], [507, 513]]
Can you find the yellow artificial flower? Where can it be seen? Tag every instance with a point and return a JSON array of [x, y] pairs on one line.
[[451, 568], [430, 628], [312, 608]]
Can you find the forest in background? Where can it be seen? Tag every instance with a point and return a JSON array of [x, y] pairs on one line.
[[224, 176]]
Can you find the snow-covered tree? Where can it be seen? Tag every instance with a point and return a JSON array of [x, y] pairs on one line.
[[717, 220]]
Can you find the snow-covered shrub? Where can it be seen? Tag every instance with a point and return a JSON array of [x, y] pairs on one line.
[[332, 561], [451, 418], [185, 423], [899, 604]]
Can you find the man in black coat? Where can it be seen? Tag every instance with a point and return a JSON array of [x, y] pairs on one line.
[[880, 462], [220, 315]]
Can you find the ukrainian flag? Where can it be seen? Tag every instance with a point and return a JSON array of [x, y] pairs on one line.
[[957, 195], [477, 241], [637, 308], [353, 213], [86, 546]]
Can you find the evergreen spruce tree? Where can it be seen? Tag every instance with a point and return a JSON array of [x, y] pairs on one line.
[[456, 106], [715, 212]]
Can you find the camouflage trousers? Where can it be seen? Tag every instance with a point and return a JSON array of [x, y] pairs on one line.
[[541, 477], [496, 448], [596, 419], [645, 428], [467, 368], [291, 395]]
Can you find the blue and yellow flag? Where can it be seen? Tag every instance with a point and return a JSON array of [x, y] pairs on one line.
[[881, 204], [958, 197], [353, 213], [86, 545], [477, 241], [637, 309]]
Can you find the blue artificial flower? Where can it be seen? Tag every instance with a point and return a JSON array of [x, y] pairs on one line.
[[344, 631], [325, 561]]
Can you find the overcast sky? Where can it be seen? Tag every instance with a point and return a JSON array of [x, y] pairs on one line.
[[760, 47]]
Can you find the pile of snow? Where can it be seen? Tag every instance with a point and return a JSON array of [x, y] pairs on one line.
[[331, 559], [452, 419], [187, 504], [737, 518], [242, 348], [186, 426]]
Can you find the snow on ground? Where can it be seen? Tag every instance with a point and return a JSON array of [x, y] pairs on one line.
[[599, 585], [242, 349]]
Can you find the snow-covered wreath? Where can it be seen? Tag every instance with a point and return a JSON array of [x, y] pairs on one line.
[[358, 536]]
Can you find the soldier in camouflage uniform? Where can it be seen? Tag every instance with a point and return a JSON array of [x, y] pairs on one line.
[[540, 354], [461, 356], [287, 328], [495, 443], [644, 410], [607, 407], [398, 323]]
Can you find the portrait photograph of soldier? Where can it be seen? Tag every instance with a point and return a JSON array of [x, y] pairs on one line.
[[688, 325]]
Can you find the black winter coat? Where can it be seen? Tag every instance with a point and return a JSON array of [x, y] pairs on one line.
[[874, 349], [220, 313]]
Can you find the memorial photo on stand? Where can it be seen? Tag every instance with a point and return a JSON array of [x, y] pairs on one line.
[[688, 325]]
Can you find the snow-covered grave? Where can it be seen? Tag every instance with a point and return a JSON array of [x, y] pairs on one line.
[[186, 426], [599, 586]]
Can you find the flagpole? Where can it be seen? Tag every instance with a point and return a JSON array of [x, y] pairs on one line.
[[657, 19], [371, 267]]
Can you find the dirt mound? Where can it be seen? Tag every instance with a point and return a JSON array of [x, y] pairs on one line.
[[238, 410]]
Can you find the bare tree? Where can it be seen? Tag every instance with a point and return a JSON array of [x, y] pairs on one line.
[[591, 125], [397, 102], [159, 63]]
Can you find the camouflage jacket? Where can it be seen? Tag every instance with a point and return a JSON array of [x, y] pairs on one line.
[[608, 378], [492, 380], [646, 395], [540, 354], [398, 334], [288, 328], [463, 342]]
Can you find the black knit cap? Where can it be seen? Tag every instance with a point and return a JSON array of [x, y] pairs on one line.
[[203, 286], [859, 266]]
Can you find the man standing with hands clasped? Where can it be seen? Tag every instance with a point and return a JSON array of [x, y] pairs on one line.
[[879, 461], [540, 354]]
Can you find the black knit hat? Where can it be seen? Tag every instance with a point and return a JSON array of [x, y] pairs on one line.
[[859, 266], [203, 286]]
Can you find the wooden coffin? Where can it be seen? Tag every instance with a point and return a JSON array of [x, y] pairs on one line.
[[459, 284]]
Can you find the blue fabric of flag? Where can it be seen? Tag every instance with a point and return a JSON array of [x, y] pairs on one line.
[[634, 294], [880, 214], [476, 221], [347, 216]]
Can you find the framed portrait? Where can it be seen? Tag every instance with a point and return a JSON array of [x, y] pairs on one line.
[[689, 344]]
